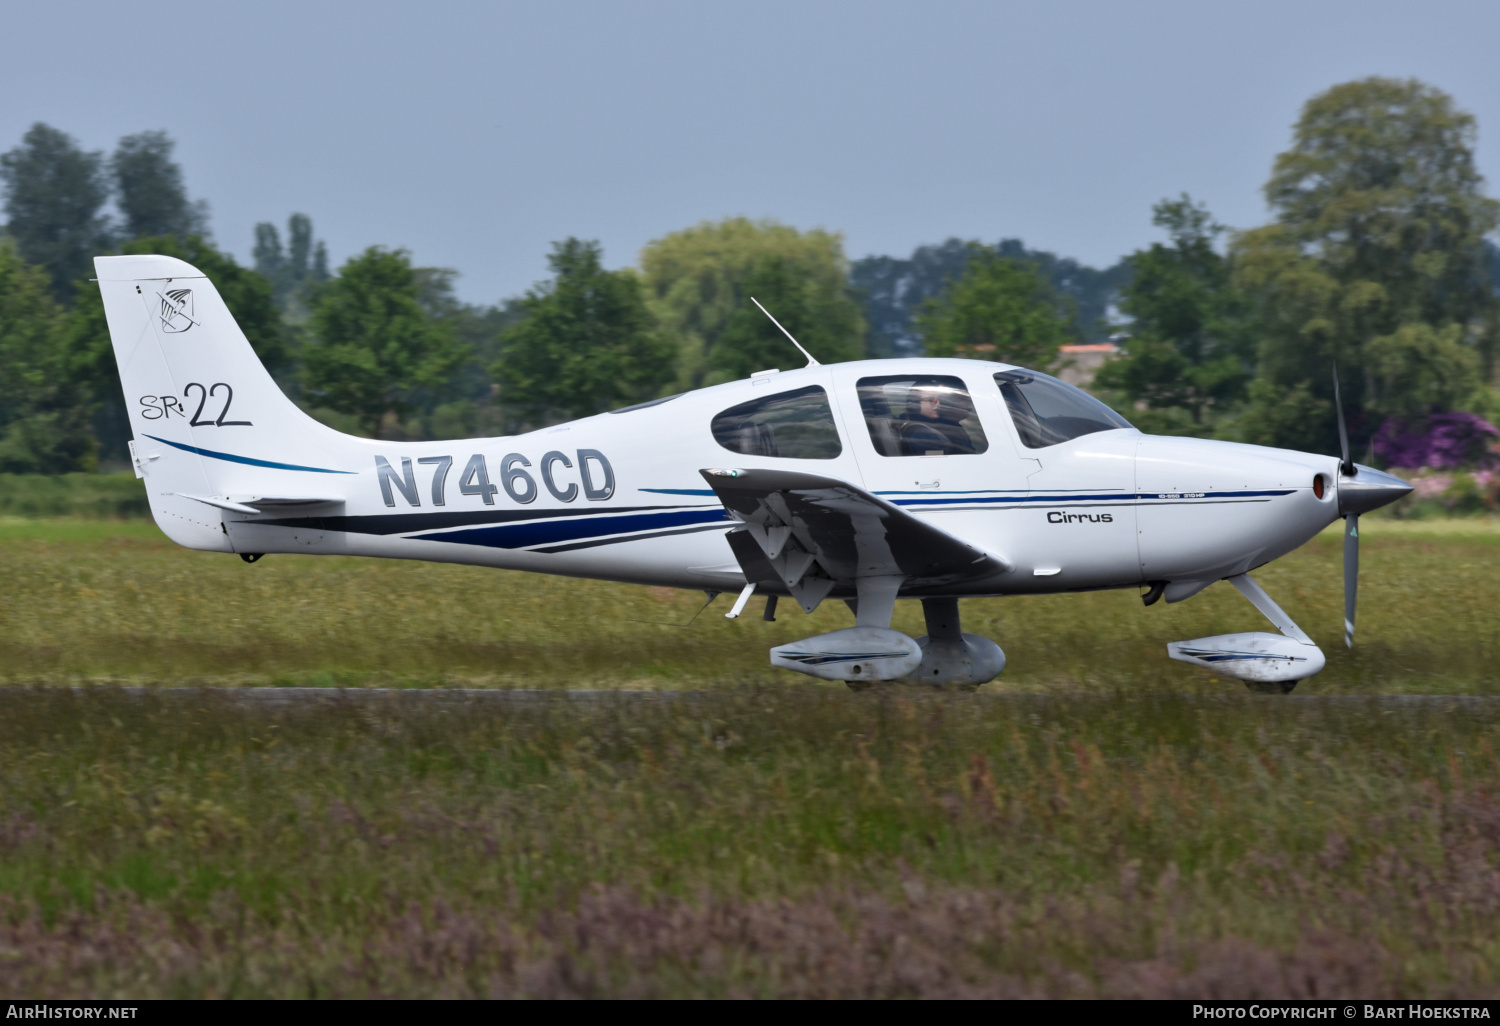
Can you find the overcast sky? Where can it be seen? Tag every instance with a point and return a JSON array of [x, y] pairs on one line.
[[476, 134]]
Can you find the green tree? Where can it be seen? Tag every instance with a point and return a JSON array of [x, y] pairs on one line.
[[90, 357], [44, 424], [299, 268], [894, 290], [698, 280], [585, 343], [826, 323], [1001, 309], [54, 193], [149, 190], [471, 406], [1190, 353], [1375, 260], [375, 353]]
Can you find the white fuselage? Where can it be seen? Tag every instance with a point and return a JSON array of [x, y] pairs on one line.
[[1110, 509]]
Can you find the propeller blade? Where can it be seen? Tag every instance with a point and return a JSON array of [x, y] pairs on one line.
[[1351, 575], [1347, 467]]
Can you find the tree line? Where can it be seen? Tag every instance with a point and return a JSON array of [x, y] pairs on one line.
[[1376, 261]]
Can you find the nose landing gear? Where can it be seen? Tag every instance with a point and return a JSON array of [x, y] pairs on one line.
[[1267, 663]]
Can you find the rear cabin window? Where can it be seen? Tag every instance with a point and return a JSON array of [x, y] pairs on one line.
[[928, 415], [1047, 411], [794, 425]]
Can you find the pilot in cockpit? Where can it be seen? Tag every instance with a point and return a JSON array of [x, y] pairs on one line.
[[931, 424]]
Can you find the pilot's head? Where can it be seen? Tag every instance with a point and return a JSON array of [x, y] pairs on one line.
[[925, 403]]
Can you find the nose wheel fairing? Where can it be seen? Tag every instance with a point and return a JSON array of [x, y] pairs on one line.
[[1253, 656], [1256, 657]]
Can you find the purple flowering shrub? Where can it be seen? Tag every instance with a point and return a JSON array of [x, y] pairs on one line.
[[1444, 441], [1450, 458]]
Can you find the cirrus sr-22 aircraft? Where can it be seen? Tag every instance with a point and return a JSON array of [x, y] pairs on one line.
[[930, 479]]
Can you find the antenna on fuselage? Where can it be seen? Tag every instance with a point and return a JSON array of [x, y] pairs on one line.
[[810, 361]]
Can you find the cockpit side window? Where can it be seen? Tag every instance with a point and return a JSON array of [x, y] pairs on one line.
[[794, 425], [1047, 411], [920, 415]]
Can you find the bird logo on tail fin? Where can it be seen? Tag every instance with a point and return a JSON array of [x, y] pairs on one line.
[[177, 310]]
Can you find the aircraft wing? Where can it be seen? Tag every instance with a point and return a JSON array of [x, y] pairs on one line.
[[807, 533]]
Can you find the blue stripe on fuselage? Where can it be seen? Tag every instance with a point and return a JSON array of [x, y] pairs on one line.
[[1054, 499], [231, 458]]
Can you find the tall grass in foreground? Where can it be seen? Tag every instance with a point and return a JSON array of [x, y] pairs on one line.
[[746, 841]]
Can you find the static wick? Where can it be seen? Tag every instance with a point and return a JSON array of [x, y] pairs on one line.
[[663, 623], [810, 361]]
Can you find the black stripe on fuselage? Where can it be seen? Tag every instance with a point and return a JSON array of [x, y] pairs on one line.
[[405, 523], [634, 537]]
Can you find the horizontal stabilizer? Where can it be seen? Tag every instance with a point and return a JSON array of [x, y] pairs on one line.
[[249, 504], [221, 502], [290, 500]]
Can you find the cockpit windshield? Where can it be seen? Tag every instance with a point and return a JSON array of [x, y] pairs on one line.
[[1047, 411]]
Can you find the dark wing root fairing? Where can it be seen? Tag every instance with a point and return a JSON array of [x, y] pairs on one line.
[[811, 536]]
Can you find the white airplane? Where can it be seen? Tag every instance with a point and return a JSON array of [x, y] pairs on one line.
[[931, 479]]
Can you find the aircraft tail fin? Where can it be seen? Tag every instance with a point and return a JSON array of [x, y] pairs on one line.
[[210, 427]]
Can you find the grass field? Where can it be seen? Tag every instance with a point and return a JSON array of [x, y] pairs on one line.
[[1101, 821], [84, 601]]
